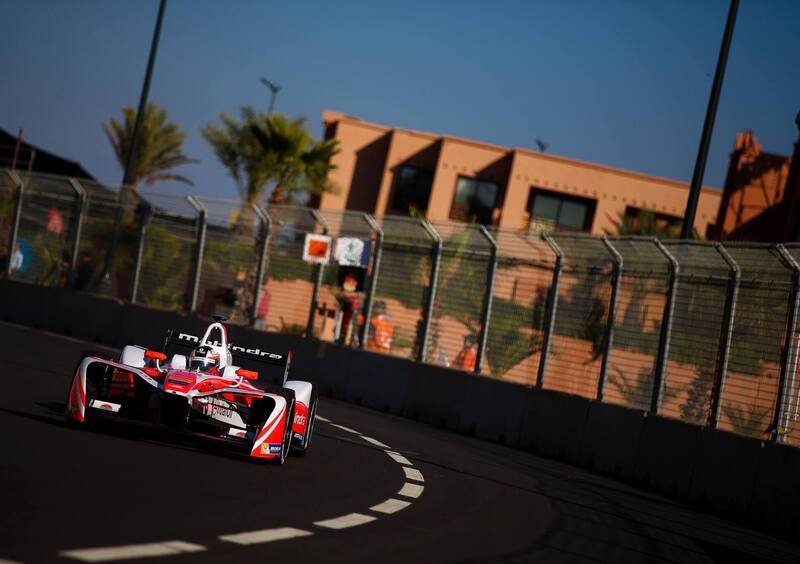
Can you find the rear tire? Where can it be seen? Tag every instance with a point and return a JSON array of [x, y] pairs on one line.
[[312, 417], [287, 430]]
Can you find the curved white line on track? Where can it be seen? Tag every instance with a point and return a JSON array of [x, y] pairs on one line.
[[132, 551], [266, 535], [411, 490], [391, 505], [388, 507], [413, 474], [346, 521]]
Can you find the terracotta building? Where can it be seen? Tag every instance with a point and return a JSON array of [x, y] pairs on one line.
[[389, 170], [761, 197]]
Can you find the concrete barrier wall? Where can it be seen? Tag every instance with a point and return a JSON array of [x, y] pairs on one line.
[[737, 477]]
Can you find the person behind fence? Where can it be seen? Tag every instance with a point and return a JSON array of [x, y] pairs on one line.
[[83, 272], [17, 258], [466, 358], [381, 329]]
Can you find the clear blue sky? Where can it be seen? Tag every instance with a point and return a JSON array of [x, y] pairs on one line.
[[624, 83]]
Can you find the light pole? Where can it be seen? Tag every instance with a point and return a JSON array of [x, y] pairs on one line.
[[708, 126], [273, 88], [130, 160]]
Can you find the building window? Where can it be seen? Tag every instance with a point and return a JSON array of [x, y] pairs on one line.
[[412, 190], [653, 223], [475, 200], [553, 211]]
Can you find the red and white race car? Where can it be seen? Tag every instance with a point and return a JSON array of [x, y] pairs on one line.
[[219, 392]]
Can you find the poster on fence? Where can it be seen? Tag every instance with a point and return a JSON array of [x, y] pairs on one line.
[[352, 252], [317, 249]]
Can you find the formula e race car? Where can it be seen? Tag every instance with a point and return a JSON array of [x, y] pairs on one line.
[[219, 392]]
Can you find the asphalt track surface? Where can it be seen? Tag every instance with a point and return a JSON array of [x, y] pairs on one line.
[[65, 490]]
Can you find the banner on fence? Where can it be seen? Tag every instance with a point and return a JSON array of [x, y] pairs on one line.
[[352, 252], [317, 249]]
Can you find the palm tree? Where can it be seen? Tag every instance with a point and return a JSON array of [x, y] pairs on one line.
[[299, 162], [240, 152], [159, 148], [262, 149]]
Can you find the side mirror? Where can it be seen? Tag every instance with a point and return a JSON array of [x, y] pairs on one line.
[[249, 374], [155, 355]]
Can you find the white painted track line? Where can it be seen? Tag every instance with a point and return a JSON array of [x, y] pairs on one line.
[[411, 490], [110, 553], [345, 521], [391, 505], [413, 474], [325, 419], [374, 442], [265, 535], [399, 458], [343, 428]]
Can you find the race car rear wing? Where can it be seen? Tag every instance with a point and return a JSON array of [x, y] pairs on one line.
[[243, 357]]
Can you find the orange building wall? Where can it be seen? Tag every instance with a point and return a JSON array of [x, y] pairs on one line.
[[515, 170]]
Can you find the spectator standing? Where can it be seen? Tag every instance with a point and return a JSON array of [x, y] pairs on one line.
[[468, 355], [83, 272], [17, 259], [381, 329]]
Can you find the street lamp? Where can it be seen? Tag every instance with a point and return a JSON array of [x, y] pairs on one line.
[[273, 88], [134, 142]]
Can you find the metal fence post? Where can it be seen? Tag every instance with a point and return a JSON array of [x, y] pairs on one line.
[[788, 352], [436, 257], [612, 311], [137, 265], [20, 192], [82, 201], [488, 297], [202, 214], [666, 331], [552, 306], [317, 278], [266, 230], [373, 279], [726, 333]]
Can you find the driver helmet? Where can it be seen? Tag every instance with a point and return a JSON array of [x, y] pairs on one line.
[[203, 358]]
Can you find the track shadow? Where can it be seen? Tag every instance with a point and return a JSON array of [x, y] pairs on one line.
[[140, 432]]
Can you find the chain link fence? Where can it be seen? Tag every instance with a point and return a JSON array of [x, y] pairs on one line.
[[703, 332]]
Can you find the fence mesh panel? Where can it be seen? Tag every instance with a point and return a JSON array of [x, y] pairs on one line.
[[8, 190], [460, 291], [288, 284], [792, 406], [759, 327], [46, 230], [230, 260], [697, 325], [99, 223], [169, 249], [516, 325], [577, 342], [402, 287], [337, 315], [637, 325]]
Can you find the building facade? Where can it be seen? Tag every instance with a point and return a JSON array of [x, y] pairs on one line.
[[761, 197], [387, 170]]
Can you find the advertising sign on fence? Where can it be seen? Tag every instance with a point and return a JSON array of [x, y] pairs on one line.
[[317, 249], [352, 252]]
